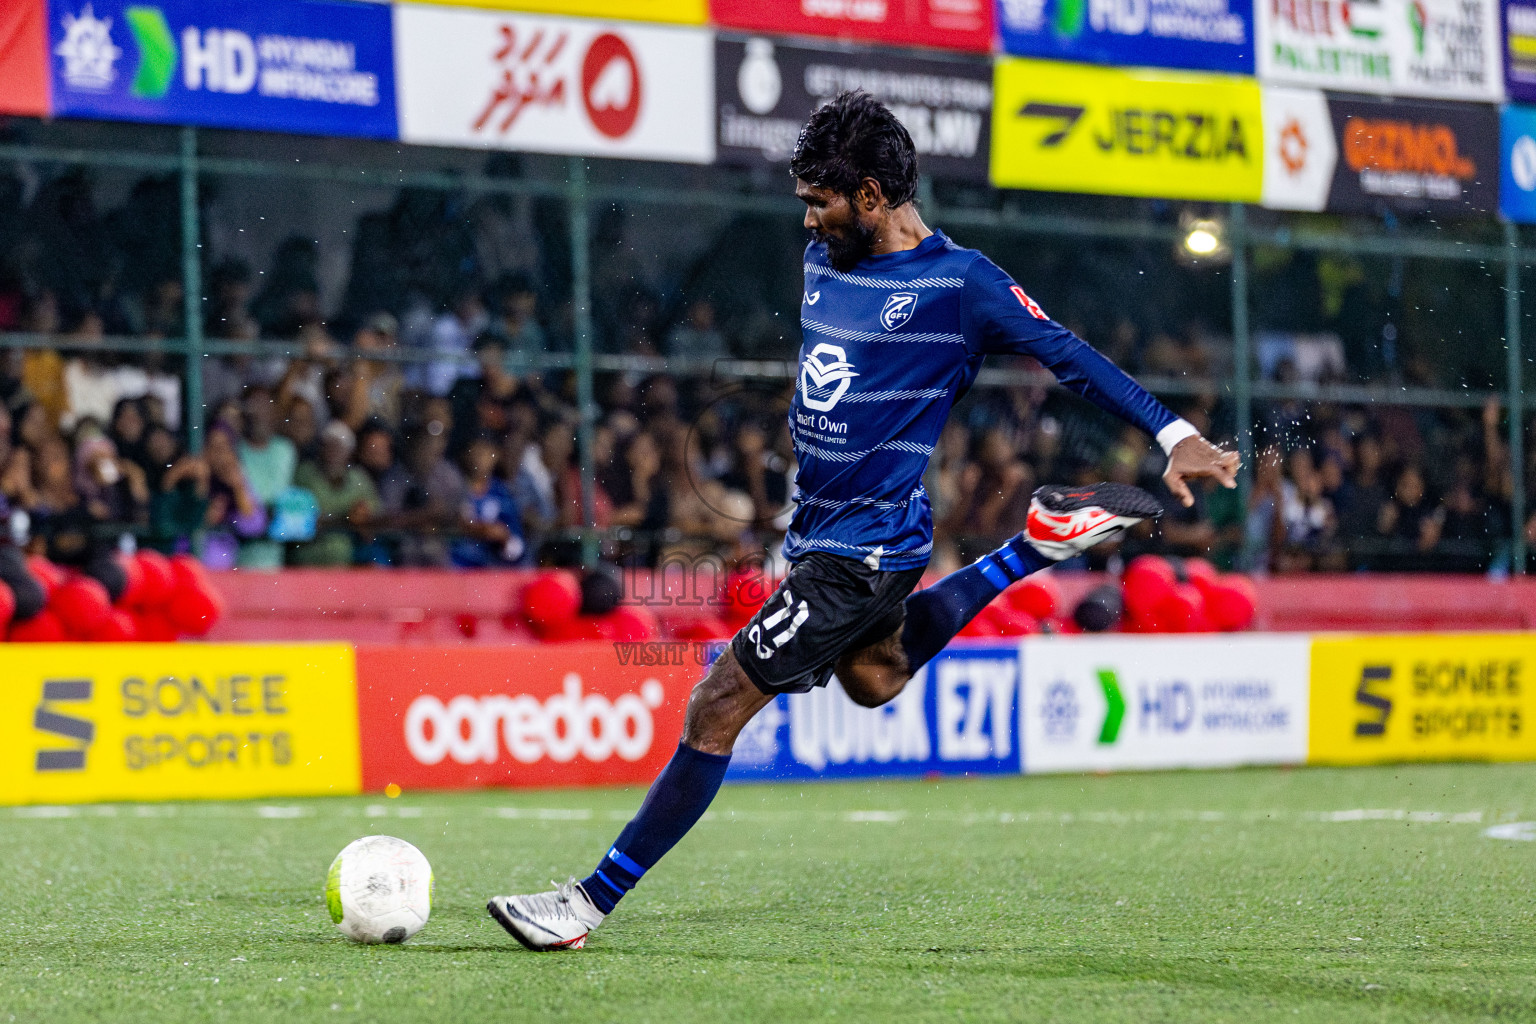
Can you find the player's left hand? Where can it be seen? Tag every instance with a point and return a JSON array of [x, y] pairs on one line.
[[1196, 457]]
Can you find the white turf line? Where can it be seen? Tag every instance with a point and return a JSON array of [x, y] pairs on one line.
[[1506, 829]]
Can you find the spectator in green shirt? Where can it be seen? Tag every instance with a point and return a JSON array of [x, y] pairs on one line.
[[268, 459], [347, 500]]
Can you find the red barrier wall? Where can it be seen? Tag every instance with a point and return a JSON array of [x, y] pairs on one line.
[[403, 606]]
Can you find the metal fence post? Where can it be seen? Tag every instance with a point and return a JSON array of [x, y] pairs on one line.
[[192, 290], [1242, 360], [1515, 372], [581, 318]]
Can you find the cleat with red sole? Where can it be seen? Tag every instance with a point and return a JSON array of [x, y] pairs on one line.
[[1066, 521]]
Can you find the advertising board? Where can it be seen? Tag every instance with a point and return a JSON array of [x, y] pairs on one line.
[[1520, 50], [88, 722], [957, 716], [1097, 703], [554, 85], [1202, 35], [766, 88], [1441, 49], [1359, 155], [1132, 132], [1448, 697], [556, 715], [1517, 163], [23, 58], [946, 24], [321, 67], [678, 12]]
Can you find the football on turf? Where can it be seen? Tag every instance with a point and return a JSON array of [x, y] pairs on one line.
[[379, 890]]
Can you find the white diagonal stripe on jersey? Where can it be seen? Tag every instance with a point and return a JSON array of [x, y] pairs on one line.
[[829, 503], [831, 455], [893, 396], [794, 542], [880, 282], [848, 334]]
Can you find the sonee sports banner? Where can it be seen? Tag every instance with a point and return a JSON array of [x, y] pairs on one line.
[[766, 88], [1162, 134], [91, 722], [319, 67]]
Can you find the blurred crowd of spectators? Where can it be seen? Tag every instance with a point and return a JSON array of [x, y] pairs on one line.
[[406, 431]]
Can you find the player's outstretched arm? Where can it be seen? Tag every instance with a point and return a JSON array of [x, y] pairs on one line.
[[1196, 457]]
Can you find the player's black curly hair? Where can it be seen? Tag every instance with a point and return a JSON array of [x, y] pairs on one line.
[[854, 137]]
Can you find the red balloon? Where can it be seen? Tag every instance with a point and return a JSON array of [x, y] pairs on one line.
[[7, 605], [628, 624], [157, 583], [1232, 603], [1182, 610], [1014, 622], [745, 593], [42, 628], [82, 605], [154, 627], [46, 573], [550, 599], [119, 627], [1200, 572], [988, 623], [1148, 580], [134, 574], [1038, 596], [193, 610]]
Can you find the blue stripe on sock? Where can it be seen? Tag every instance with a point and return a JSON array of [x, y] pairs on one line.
[[618, 887], [1011, 561], [623, 860], [993, 573]]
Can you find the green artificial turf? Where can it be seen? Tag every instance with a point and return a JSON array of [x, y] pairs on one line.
[[1368, 894]]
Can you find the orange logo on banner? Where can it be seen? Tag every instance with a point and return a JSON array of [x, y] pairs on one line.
[[1404, 146]]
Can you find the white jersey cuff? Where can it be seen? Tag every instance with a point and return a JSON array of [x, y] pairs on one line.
[[1175, 432]]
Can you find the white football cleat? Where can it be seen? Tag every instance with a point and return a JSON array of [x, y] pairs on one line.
[[548, 920], [1066, 521]]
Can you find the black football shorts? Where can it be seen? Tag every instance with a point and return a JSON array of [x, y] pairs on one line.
[[827, 606]]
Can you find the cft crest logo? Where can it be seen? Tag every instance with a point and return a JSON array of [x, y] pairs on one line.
[[310, 66]]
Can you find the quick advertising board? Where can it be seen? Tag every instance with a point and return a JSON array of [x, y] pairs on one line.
[[947, 24], [23, 60], [555, 715], [1520, 49], [958, 715], [87, 722], [1165, 134], [766, 88], [1441, 49], [554, 85], [1096, 703], [679, 12], [1446, 697], [1358, 155], [1517, 163], [321, 67], [1203, 35]]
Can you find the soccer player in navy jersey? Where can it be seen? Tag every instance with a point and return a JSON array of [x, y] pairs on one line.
[[896, 320]]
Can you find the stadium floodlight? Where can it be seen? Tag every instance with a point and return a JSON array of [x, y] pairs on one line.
[[1204, 240]]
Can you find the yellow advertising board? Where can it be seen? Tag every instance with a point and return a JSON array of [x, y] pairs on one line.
[[677, 12], [1438, 697], [84, 722], [1128, 132]]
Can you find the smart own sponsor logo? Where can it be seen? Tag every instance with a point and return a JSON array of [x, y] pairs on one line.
[[213, 59], [568, 725]]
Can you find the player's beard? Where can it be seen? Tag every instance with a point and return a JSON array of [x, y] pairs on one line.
[[845, 251]]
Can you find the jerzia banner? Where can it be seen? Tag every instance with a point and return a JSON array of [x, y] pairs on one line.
[[766, 88], [319, 67]]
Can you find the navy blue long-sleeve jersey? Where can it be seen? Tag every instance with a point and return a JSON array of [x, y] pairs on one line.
[[887, 349]]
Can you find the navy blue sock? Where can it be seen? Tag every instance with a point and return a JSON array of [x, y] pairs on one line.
[[936, 614], [678, 798]]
